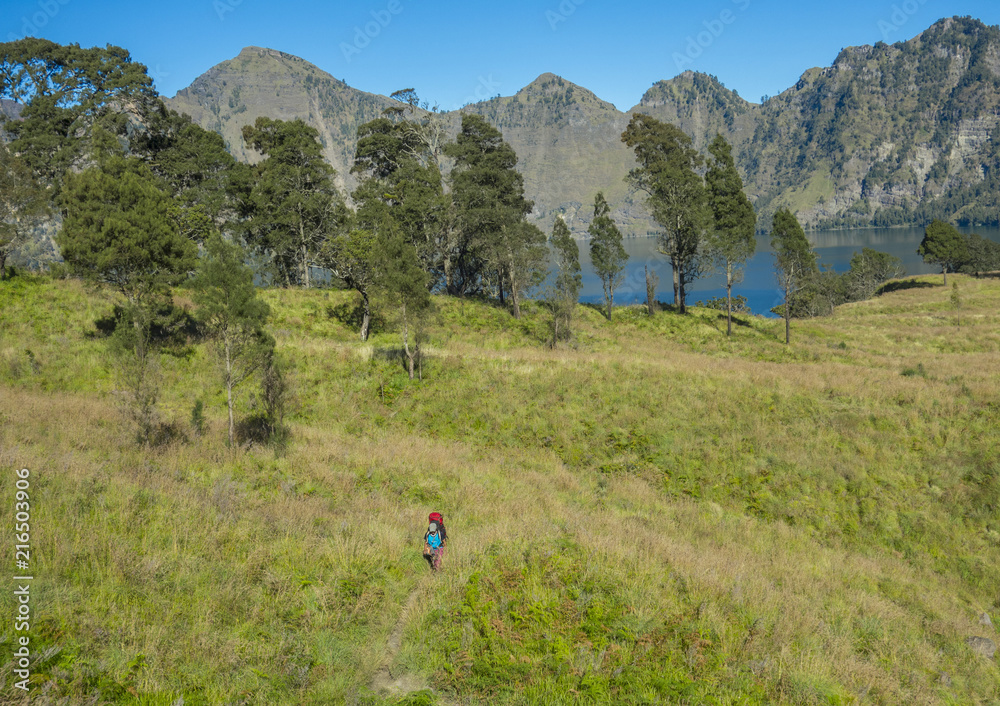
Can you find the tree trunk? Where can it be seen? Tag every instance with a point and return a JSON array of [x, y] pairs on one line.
[[447, 275], [229, 392], [515, 302], [788, 317], [729, 301], [3, 266], [500, 285], [650, 292], [944, 272], [366, 317], [683, 296], [677, 282], [611, 303], [305, 250], [406, 344]]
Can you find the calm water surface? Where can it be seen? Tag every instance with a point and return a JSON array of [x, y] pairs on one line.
[[833, 247]]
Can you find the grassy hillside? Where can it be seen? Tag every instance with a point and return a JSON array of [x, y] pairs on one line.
[[657, 514]]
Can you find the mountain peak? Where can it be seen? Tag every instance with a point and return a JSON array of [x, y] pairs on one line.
[[554, 87], [257, 52], [546, 83], [690, 86]]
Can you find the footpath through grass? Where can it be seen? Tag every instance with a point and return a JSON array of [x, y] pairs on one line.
[[654, 514]]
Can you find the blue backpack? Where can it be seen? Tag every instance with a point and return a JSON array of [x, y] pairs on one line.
[[434, 540]]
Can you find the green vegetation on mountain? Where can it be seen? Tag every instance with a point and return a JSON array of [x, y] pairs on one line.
[[663, 512], [268, 83]]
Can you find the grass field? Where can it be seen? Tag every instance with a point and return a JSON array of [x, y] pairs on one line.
[[654, 513]]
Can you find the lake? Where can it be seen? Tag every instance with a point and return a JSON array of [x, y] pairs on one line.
[[833, 247]]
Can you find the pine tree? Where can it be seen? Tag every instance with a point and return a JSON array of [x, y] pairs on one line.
[[234, 315], [565, 294], [730, 243], [795, 261], [493, 240], [294, 204], [118, 231], [606, 250]]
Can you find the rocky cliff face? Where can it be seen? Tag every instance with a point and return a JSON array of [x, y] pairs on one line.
[[888, 134]]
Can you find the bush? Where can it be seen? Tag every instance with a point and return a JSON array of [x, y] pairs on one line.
[[719, 303]]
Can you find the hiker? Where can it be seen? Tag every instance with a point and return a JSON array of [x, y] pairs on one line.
[[435, 540]]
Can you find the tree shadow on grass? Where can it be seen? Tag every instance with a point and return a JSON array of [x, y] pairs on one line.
[[900, 285], [173, 328], [351, 314]]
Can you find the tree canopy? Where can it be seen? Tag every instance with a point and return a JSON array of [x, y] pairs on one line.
[[66, 91], [493, 242], [943, 245], [294, 204], [118, 230]]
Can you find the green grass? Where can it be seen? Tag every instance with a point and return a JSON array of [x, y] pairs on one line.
[[654, 512]]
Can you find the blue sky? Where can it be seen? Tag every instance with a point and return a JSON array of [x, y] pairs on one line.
[[457, 52]]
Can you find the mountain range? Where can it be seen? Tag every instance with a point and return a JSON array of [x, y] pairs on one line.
[[886, 135]]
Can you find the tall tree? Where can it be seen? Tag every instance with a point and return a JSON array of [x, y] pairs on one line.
[[983, 255], [118, 231], [66, 91], [398, 170], [295, 205], [675, 193], [352, 257], [23, 205], [794, 259], [405, 285], [943, 245], [566, 292], [195, 164], [234, 315], [606, 250], [730, 243], [492, 239]]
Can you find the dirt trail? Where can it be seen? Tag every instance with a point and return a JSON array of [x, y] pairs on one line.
[[403, 683]]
